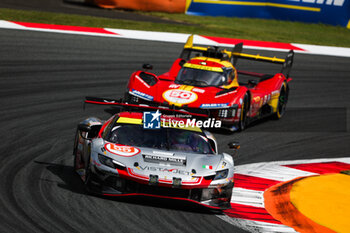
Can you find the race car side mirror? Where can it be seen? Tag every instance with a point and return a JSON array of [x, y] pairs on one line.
[[234, 145], [252, 83], [84, 128], [212, 141], [84, 131], [89, 131], [147, 67], [182, 62]]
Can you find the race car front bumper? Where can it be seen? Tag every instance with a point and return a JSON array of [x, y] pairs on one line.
[[110, 183]]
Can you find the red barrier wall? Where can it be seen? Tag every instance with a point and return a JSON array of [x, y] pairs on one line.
[[171, 6]]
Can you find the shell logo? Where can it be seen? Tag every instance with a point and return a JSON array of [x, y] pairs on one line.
[[126, 151], [176, 96]]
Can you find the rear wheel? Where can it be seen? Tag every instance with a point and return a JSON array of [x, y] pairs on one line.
[[282, 101]]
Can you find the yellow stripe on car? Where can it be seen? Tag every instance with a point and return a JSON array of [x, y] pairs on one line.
[[128, 120], [200, 67], [188, 88], [258, 57]]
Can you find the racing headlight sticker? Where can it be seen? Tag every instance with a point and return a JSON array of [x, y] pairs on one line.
[[223, 113], [221, 174], [110, 162], [105, 160]]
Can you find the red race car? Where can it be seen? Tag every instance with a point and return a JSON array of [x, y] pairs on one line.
[[204, 80]]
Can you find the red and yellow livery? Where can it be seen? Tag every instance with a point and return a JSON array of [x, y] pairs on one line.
[[205, 80]]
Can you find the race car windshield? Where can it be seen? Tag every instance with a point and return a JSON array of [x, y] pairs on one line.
[[199, 77], [163, 139]]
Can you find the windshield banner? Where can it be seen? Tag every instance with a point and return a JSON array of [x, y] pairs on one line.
[[335, 12]]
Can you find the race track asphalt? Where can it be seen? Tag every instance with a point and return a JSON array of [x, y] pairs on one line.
[[43, 80]]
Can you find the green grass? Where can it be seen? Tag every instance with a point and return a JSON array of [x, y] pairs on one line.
[[244, 28], [346, 172]]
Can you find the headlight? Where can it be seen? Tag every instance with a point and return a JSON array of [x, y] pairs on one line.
[[134, 99], [223, 113], [221, 174], [110, 162]]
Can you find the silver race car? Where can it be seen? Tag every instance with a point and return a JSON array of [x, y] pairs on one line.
[[122, 157]]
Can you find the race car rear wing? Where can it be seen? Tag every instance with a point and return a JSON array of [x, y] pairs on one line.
[[236, 54], [135, 107], [189, 48], [286, 63]]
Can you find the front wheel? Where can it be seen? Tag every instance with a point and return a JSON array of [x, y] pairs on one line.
[[87, 180], [75, 151], [243, 117], [282, 101]]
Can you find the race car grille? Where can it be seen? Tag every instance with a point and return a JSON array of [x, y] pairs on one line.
[[196, 194], [197, 110], [128, 186], [132, 187]]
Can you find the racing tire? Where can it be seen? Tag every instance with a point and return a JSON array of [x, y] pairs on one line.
[[129, 99], [126, 97], [242, 124], [76, 142], [227, 195], [282, 101], [88, 176], [75, 166]]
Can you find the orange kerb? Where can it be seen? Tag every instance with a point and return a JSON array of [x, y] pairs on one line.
[[278, 204]]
